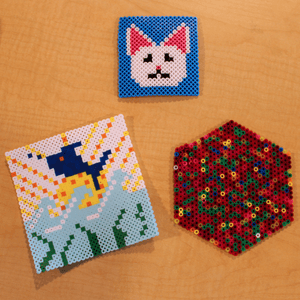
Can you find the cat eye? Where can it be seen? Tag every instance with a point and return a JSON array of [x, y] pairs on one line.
[[61, 158], [168, 58], [148, 58]]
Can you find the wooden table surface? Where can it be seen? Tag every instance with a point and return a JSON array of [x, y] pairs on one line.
[[58, 71]]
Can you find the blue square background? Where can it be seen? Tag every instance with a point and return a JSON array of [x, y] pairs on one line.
[[158, 28]]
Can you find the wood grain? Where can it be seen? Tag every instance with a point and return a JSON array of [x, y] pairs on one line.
[[58, 71]]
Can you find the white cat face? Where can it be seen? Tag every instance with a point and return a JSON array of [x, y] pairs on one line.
[[163, 65], [158, 66]]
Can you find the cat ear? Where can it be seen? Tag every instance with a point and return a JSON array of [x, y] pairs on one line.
[[135, 39], [180, 38]]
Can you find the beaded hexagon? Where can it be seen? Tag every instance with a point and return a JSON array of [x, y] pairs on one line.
[[158, 56], [81, 194], [233, 188]]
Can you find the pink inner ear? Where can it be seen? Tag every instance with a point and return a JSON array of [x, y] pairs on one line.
[[178, 39], [137, 41]]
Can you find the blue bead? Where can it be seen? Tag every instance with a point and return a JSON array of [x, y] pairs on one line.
[[157, 29], [73, 163]]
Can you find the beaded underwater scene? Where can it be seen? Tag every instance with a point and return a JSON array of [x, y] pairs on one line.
[[158, 56], [233, 188], [81, 194]]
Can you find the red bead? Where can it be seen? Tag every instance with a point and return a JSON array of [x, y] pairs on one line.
[[232, 187]]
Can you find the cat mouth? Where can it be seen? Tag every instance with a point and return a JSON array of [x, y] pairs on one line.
[[158, 74]]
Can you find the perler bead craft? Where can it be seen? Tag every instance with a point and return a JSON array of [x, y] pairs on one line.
[[233, 188], [81, 194], [158, 56]]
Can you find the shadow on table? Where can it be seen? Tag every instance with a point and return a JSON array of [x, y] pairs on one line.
[[206, 243], [162, 99], [163, 217]]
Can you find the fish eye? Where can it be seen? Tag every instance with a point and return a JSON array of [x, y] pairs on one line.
[[148, 58], [61, 158]]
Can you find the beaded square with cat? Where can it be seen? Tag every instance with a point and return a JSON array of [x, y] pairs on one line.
[[158, 56], [81, 194]]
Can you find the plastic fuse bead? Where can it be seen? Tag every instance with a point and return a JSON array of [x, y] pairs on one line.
[[233, 188], [158, 56], [81, 194]]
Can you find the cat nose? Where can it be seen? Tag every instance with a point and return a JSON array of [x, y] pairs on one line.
[[158, 67]]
